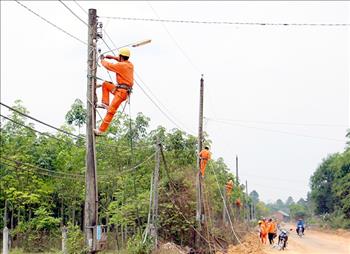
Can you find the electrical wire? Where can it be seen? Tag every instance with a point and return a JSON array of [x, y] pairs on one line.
[[171, 184], [70, 10], [81, 137], [32, 129], [43, 169], [147, 95], [224, 201], [278, 123], [41, 173], [52, 24], [276, 131], [76, 2], [39, 121], [227, 22], [174, 40]]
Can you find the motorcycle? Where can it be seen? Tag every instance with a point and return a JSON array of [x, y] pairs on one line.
[[300, 231], [282, 240]]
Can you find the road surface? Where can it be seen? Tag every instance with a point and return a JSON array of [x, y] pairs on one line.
[[314, 242]]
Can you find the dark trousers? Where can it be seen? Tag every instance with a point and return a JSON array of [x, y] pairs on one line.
[[271, 236]]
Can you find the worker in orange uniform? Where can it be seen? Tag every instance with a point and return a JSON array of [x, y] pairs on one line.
[[262, 231], [229, 187], [124, 70], [271, 230], [204, 156]]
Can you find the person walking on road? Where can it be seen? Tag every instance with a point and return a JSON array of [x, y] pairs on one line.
[[272, 230], [262, 231]]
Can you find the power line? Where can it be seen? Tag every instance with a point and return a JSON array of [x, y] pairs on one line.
[[32, 129], [70, 10], [115, 46], [226, 22], [76, 2], [41, 172], [277, 123], [277, 131], [174, 40], [225, 205], [39, 121], [82, 137], [52, 24], [143, 90], [43, 169], [73, 174]]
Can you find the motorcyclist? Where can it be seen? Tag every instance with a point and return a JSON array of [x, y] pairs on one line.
[[300, 226], [283, 236]]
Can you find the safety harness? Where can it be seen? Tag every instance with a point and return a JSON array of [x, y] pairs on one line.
[[125, 87], [118, 86]]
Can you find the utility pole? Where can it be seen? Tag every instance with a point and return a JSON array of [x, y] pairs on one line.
[[154, 225], [247, 205], [91, 198], [237, 179], [5, 233], [199, 210], [224, 213], [152, 222]]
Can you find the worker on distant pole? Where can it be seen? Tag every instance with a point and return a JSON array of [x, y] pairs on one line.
[[229, 187], [124, 70], [204, 156]]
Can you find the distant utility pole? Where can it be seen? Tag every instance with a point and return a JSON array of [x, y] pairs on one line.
[[247, 205], [237, 179], [199, 210], [224, 213], [91, 198], [5, 233]]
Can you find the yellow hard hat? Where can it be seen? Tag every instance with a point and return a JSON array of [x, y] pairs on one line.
[[124, 52], [259, 222]]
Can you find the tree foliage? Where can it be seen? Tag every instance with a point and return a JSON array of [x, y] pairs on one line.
[[42, 181], [330, 187]]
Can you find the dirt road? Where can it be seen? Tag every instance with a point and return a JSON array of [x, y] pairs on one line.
[[315, 242]]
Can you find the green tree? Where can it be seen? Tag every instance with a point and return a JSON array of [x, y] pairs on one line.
[[77, 114]]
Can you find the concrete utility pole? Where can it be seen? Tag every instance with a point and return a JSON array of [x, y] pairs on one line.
[[224, 213], [247, 205], [154, 225], [237, 179], [199, 210], [91, 197], [5, 233]]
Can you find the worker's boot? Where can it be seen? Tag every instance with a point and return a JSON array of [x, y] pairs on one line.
[[98, 132], [102, 105]]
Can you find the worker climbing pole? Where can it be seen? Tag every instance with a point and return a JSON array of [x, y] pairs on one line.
[[204, 156], [124, 71]]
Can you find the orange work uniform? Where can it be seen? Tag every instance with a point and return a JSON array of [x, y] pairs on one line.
[[229, 187], [204, 156], [263, 232], [125, 77]]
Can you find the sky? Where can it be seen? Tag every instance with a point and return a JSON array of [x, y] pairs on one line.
[[275, 96]]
